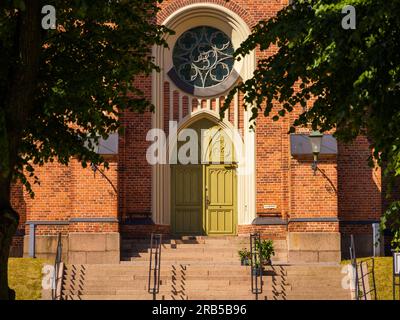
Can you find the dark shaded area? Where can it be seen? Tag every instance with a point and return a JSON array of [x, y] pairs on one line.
[[19, 205]]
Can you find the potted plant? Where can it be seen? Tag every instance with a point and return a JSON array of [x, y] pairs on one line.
[[245, 257], [266, 248]]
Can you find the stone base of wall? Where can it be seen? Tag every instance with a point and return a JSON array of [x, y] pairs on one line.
[[93, 248], [303, 247], [46, 247], [313, 247], [78, 248]]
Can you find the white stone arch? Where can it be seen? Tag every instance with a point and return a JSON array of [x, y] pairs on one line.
[[232, 24], [236, 138], [204, 114]]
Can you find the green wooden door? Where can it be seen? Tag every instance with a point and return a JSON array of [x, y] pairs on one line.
[[187, 199], [220, 202], [203, 200]]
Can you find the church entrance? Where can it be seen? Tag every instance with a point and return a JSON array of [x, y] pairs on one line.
[[204, 199], [203, 195]]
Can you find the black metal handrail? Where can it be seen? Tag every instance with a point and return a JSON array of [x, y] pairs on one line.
[[256, 265], [364, 274], [57, 263], [353, 259], [155, 266], [360, 275]]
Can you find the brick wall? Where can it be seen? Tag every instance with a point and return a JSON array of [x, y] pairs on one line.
[[313, 195], [69, 192], [359, 184], [313, 227], [134, 173], [276, 232], [345, 187]]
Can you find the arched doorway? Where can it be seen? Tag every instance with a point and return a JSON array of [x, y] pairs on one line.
[[204, 193], [186, 95]]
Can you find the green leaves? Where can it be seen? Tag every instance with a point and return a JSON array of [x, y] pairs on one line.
[[91, 70], [353, 75], [19, 4], [391, 221]]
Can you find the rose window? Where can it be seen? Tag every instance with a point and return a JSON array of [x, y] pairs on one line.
[[203, 61]]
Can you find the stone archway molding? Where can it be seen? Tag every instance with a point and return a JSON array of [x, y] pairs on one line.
[[231, 23]]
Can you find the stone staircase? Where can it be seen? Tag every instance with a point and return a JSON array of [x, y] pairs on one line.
[[306, 282], [200, 268]]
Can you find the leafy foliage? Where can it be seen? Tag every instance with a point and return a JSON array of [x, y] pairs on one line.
[[244, 255], [391, 220], [86, 76], [266, 248], [353, 75]]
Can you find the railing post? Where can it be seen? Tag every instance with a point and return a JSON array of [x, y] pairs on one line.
[[57, 262], [256, 266], [32, 240], [154, 268], [155, 271], [363, 281], [354, 264], [373, 280], [150, 265]]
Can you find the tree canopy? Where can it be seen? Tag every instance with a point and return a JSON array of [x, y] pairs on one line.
[[61, 89], [74, 80], [353, 74]]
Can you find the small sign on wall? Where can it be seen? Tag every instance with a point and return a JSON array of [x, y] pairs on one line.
[[270, 206]]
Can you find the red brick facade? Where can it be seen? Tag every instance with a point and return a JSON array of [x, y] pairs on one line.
[[343, 189], [66, 194]]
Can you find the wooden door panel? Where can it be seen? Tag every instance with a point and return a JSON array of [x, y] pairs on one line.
[[187, 199], [188, 190], [220, 206], [220, 221], [188, 221]]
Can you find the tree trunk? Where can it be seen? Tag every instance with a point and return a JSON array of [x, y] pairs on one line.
[[18, 102], [9, 220]]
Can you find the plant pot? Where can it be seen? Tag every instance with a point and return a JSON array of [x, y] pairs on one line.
[[245, 262], [267, 262]]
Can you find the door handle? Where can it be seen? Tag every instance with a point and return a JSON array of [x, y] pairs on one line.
[[207, 201]]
